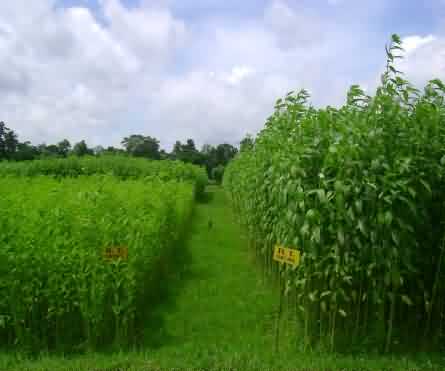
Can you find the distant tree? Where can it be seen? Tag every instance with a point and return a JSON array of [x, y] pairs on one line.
[[149, 148], [142, 146], [26, 151], [110, 150], [187, 152], [3, 130], [218, 173], [64, 147], [191, 153], [98, 150], [208, 153], [52, 150], [11, 142], [207, 149], [42, 150], [217, 158], [132, 142], [177, 150], [189, 145], [224, 153], [81, 149], [8, 142]]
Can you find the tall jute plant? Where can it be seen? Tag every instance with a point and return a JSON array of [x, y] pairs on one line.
[[360, 191]]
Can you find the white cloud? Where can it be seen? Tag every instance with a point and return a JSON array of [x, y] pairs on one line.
[[411, 43], [238, 74], [149, 31], [104, 74], [424, 58], [292, 27], [65, 74]]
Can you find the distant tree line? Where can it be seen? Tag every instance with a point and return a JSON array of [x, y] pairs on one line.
[[213, 158]]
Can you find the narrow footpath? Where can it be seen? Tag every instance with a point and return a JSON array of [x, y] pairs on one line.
[[224, 313]]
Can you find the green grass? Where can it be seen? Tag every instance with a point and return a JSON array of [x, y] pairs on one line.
[[217, 312]]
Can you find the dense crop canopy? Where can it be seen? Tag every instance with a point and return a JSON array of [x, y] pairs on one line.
[[119, 166], [57, 289], [360, 191]]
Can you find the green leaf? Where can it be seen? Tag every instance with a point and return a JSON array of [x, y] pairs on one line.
[[361, 226], [406, 300], [316, 235], [325, 293], [426, 185], [341, 237], [305, 229], [359, 206], [313, 296], [395, 238], [388, 218]]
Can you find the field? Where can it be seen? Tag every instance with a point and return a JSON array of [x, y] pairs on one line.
[[118, 166], [61, 289], [218, 312], [118, 263], [358, 191]]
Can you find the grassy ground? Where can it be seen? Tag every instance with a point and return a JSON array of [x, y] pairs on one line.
[[216, 313]]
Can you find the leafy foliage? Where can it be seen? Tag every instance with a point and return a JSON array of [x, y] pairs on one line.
[[187, 152], [135, 145], [122, 167], [218, 173], [79, 149], [360, 191], [142, 146], [57, 289], [246, 143], [8, 142], [216, 159]]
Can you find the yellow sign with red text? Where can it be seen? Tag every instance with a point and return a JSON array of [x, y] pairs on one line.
[[285, 255], [116, 252]]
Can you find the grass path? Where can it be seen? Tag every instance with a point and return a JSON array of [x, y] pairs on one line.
[[216, 313], [223, 314]]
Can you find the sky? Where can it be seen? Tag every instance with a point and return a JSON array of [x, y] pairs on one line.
[[210, 70]]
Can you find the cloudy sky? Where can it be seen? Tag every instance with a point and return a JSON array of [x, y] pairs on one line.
[[207, 69]]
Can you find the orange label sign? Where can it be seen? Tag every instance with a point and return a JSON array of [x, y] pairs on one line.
[[285, 255], [116, 252]]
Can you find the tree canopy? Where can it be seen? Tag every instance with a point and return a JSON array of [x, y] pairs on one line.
[[142, 146], [213, 158]]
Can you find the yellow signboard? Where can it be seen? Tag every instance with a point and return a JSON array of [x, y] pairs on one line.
[[285, 255], [116, 252]]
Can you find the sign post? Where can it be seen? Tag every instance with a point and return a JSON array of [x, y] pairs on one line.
[[116, 252], [285, 255]]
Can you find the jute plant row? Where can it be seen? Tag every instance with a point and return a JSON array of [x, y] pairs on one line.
[[360, 191], [120, 166], [58, 291]]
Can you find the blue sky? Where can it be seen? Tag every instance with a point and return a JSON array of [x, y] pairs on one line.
[[205, 69], [398, 16]]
